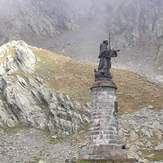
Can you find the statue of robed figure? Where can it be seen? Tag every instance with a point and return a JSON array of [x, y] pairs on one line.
[[104, 66]]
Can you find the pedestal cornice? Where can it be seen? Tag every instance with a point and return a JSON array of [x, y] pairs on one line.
[[103, 83]]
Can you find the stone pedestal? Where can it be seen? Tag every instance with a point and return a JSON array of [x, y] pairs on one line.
[[104, 140]]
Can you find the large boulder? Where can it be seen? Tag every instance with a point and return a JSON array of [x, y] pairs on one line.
[[23, 59], [25, 101]]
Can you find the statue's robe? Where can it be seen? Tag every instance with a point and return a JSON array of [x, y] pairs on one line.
[[105, 58]]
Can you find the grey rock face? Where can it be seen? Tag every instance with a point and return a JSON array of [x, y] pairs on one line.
[[25, 101], [24, 60], [142, 130], [159, 147], [39, 107]]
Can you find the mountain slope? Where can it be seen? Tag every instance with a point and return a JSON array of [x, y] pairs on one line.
[[133, 92], [58, 80], [76, 28], [53, 95]]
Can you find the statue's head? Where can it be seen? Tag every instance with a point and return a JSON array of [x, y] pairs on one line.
[[105, 42]]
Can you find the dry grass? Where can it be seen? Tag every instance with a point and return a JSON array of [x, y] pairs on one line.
[[64, 74], [11, 52], [135, 91], [157, 155], [75, 78], [68, 76]]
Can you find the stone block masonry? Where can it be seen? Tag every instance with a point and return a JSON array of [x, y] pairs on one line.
[[103, 120], [104, 140]]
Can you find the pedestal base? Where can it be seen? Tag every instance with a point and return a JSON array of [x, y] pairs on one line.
[[108, 160], [103, 154], [104, 141]]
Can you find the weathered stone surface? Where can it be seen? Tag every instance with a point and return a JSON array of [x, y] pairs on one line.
[[159, 147], [103, 99], [27, 102], [143, 122], [39, 107], [141, 130], [23, 60]]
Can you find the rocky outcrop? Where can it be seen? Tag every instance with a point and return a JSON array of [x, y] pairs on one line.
[[25, 101], [29, 144], [142, 131], [30, 104], [23, 60]]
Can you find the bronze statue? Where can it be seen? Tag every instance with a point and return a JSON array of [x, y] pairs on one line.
[[104, 66]]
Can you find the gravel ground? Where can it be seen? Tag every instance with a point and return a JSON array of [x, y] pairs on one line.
[[28, 145]]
